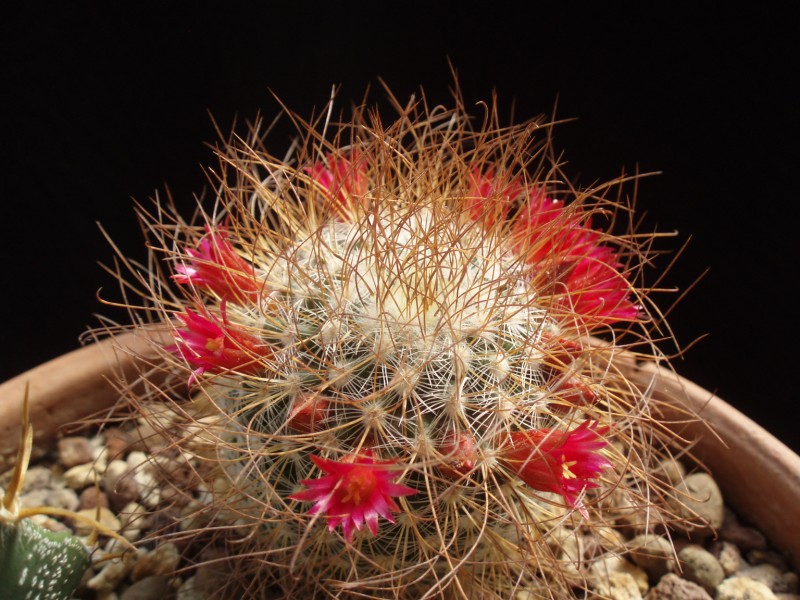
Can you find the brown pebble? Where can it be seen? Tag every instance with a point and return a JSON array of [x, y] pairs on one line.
[[92, 497], [118, 443], [161, 561], [672, 587], [746, 538], [74, 451], [652, 553], [760, 557]]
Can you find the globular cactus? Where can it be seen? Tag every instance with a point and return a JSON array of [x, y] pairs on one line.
[[395, 384]]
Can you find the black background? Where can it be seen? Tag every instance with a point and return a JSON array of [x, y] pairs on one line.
[[103, 105]]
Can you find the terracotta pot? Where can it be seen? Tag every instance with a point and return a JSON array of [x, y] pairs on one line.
[[67, 389], [759, 476]]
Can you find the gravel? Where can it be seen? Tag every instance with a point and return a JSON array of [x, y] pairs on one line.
[[109, 478]]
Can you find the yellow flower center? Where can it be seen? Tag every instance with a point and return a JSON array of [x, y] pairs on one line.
[[358, 486], [565, 465]]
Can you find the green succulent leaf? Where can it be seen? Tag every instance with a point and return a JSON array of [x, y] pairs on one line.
[[37, 564]]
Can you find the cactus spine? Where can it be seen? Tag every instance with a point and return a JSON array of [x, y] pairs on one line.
[[391, 330]]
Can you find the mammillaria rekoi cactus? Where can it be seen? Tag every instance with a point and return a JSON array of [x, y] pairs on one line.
[[394, 384]]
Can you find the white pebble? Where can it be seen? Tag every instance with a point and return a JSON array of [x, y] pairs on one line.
[[80, 476], [115, 471], [742, 588]]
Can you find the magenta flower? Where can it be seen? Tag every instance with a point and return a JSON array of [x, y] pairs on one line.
[[216, 266], [342, 177], [211, 345], [355, 491], [597, 289], [564, 462], [585, 277]]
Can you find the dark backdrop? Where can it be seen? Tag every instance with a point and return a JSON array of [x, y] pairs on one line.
[[102, 106]]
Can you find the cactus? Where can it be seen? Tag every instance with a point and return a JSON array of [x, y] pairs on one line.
[[36, 563], [393, 381]]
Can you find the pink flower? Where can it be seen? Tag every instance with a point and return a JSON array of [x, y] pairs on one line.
[[564, 462], [583, 276], [598, 290], [211, 345], [342, 177], [544, 230], [355, 491], [217, 267]]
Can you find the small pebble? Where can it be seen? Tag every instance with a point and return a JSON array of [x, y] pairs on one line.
[[601, 568], [760, 557], [672, 587], [701, 567], [742, 588], [189, 590], [161, 561], [700, 500], [652, 553], [92, 497], [115, 471], [149, 489], [112, 573], [746, 538], [74, 451], [149, 588], [118, 443], [132, 518], [37, 478], [618, 586], [728, 555], [604, 539], [63, 498], [80, 476], [106, 518], [49, 523], [670, 469], [771, 576], [136, 459], [126, 490], [34, 498]]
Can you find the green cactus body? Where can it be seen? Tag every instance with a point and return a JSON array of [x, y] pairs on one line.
[[388, 359], [37, 564]]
